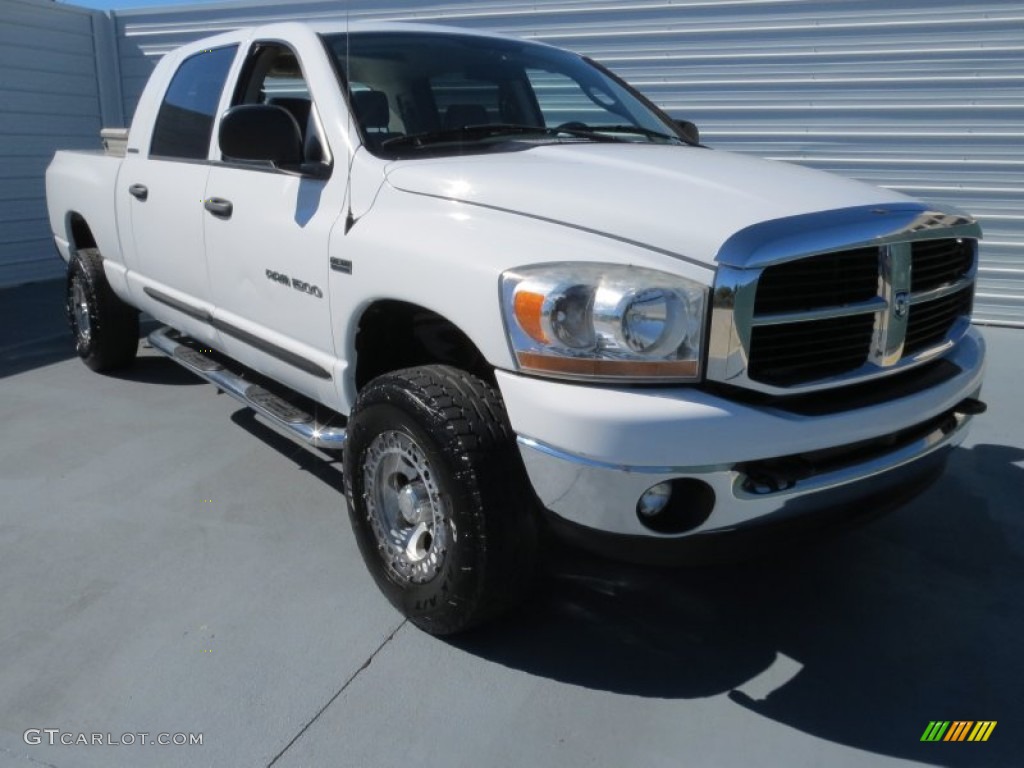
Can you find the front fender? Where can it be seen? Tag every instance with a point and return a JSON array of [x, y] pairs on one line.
[[448, 257]]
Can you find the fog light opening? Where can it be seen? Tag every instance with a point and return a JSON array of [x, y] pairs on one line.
[[654, 500], [675, 506]]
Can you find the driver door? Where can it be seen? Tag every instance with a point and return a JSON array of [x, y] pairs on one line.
[[267, 233]]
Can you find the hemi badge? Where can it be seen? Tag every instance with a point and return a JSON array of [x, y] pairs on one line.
[[341, 265]]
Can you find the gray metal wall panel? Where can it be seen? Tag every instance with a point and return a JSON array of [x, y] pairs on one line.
[[49, 94]]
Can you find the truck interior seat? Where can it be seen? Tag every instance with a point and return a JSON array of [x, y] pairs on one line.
[[461, 115]]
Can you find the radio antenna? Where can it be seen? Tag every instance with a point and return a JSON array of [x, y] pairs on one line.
[[350, 219]]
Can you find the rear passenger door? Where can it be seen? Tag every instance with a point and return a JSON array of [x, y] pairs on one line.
[[267, 256], [166, 182]]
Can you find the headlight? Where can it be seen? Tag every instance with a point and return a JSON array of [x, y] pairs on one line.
[[604, 321]]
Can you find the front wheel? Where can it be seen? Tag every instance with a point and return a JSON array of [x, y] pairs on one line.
[[438, 498]]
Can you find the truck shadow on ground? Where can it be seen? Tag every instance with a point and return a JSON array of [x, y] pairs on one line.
[[327, 471], [156, 369], [20, 358], [34, 333], [914, 617]]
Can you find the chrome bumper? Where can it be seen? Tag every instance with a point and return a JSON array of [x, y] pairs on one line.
[[603, 497]]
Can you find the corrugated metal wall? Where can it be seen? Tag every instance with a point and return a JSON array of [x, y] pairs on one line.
[[49, 99], [924, 97]]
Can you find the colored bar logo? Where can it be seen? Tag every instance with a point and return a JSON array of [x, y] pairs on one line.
[[958, 730]]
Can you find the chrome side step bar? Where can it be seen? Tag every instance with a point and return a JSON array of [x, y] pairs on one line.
[[282, 414]]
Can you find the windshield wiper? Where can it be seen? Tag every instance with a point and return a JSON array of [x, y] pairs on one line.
[[486, 131], [637, 130]]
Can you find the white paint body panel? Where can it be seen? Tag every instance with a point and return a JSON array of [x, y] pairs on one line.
[[686, 200], [283, 224], [84, 182], [166, 229]]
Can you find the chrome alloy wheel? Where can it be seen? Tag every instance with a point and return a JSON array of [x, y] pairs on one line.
[[409, 519], [80, 308]]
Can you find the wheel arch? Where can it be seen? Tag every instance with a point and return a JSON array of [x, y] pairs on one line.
[[79, 234], [391, 334]]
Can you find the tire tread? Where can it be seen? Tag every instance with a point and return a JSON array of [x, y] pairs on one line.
[[479, 443]]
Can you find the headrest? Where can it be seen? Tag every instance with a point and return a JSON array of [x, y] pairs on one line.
[[297, 106], [371, 108]]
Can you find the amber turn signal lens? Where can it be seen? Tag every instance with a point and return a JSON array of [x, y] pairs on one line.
[[528, 307]]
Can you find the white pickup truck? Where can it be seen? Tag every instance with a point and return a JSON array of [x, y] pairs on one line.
[[519, 297]]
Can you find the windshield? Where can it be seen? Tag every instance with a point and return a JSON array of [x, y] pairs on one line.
[[413, 91]]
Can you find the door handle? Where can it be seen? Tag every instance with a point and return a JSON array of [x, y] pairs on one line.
[[219, 207], [139, 191]]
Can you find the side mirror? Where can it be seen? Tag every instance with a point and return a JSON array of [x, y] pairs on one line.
[[260, 132], [689, 130]]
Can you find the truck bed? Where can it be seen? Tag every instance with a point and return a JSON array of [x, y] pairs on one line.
[[83, 183]]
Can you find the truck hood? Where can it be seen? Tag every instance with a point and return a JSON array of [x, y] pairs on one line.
[[686, 201]]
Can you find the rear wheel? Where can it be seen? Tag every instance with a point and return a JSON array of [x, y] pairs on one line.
[[438, 498], [106, 330]]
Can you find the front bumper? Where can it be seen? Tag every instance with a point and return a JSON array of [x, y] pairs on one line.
[[591, 452]]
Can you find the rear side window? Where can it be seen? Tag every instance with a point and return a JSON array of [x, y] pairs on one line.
[[185, 120]]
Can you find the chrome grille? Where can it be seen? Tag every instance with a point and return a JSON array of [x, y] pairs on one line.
[[793, 353], [929, 322], [831, 315], [840, 297], [827, 280], [939, 262]]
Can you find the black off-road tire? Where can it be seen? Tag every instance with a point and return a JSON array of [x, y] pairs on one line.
[[490, 527], [110, 340]]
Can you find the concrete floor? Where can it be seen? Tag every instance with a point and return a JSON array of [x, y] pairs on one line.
[[168, 564]]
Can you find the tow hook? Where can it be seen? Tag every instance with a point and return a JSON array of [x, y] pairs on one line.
[[970, 406]]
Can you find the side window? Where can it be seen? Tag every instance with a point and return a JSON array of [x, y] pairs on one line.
[[185, 120], [273, 75]]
